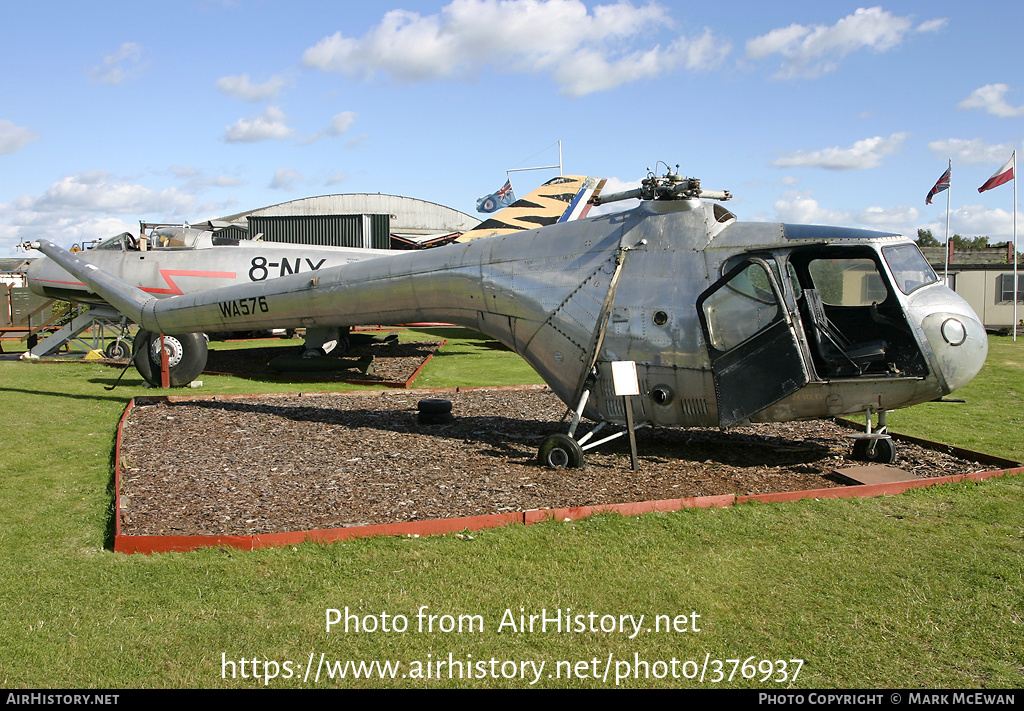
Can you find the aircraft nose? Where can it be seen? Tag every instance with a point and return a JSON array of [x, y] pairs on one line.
[[959, 343]]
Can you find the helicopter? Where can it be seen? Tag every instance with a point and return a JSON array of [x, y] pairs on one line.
[[728, 323]]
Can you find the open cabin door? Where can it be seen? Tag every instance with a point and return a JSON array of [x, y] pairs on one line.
[[751, 339]]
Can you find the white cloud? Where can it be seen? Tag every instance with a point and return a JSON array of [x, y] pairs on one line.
[[240, 87], [97, 191], [889, 217], [972, 150], [270, 125], [866, 153], [341, 123], [337, 178], [813, 50], [977, 220], [285, 179], [123, 65], [583, 51], [991, 98], [13, 138], [64, 230], [800, 208], [89, 205], [357, 141], [195, 180], [932, 25]]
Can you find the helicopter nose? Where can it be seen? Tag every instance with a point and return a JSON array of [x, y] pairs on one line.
[[959, 343]]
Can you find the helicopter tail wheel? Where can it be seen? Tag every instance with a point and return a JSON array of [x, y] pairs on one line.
[[560, 451], [186, 357], [876, 451]]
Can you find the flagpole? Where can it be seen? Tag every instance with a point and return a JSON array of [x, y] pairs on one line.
[[1015, 284], [945, 274]]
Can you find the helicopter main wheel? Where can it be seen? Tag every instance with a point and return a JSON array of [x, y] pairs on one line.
[[560, 451], [877, 451], [186, 357]]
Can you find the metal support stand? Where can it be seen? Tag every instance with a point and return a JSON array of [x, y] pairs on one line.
[[628, 405], [165, 368]]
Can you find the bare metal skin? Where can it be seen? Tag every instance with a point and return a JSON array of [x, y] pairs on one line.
[[727, 322]]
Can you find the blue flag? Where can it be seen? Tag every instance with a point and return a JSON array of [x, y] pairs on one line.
[[496, 201]]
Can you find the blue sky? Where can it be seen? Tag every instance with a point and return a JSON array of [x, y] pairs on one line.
[[821, 112]]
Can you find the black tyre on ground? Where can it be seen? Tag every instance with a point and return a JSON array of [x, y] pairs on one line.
[[434, 418], [186, 357], [560, 451], [434, 405]]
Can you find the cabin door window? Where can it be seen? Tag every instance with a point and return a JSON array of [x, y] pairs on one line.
[[751, 340]]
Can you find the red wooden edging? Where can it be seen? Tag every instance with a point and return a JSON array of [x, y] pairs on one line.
[[165, 544]]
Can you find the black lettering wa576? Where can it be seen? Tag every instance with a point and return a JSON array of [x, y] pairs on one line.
[[243, 307]]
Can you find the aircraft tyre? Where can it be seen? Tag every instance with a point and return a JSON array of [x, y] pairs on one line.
[[883, 452], [118, 349], [186, 357], [560, 451], [341, 348]]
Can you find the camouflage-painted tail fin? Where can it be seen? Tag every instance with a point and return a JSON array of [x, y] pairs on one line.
[[558, 200]]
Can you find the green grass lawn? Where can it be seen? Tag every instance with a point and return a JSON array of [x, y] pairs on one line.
[[921, 590]]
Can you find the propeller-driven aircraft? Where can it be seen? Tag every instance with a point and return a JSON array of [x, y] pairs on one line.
[[727, 322], [172, 260]]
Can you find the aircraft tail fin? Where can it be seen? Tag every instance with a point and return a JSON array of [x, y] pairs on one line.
[[559, 200]]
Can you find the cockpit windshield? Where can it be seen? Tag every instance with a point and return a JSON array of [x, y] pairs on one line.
[[909, 267]]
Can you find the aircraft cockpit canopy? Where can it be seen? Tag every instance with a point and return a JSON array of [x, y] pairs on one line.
[[119, 242], [174, 238]]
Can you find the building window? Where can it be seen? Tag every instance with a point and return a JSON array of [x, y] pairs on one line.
[[1006, 288]]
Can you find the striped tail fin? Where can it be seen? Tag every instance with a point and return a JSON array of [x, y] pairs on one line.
[[559, 200]]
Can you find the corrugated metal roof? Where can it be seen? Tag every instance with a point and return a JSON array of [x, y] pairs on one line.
[[407, 215]]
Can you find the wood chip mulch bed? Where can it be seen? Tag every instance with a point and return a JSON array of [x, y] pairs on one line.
[[265, 464]]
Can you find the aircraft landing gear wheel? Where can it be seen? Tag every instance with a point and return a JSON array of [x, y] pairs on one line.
[[118, 349], [876, 451], [186, 357], [560, 451]]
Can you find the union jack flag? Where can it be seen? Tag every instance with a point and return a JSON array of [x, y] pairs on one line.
[[502, 198], [942, 184]]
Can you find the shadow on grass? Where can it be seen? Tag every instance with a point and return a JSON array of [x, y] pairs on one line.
[[97, 396]]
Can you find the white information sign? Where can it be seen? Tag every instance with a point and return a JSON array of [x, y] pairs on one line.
[[624, 377]]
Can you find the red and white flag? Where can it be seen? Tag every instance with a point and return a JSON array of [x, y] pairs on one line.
[[1003, 175]]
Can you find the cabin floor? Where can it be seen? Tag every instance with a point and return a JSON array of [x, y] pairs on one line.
[[286, 463]]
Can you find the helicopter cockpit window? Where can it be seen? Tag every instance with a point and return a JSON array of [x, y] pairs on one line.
[[909, 267], [741, 308], [848, 281], [794, 281]]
